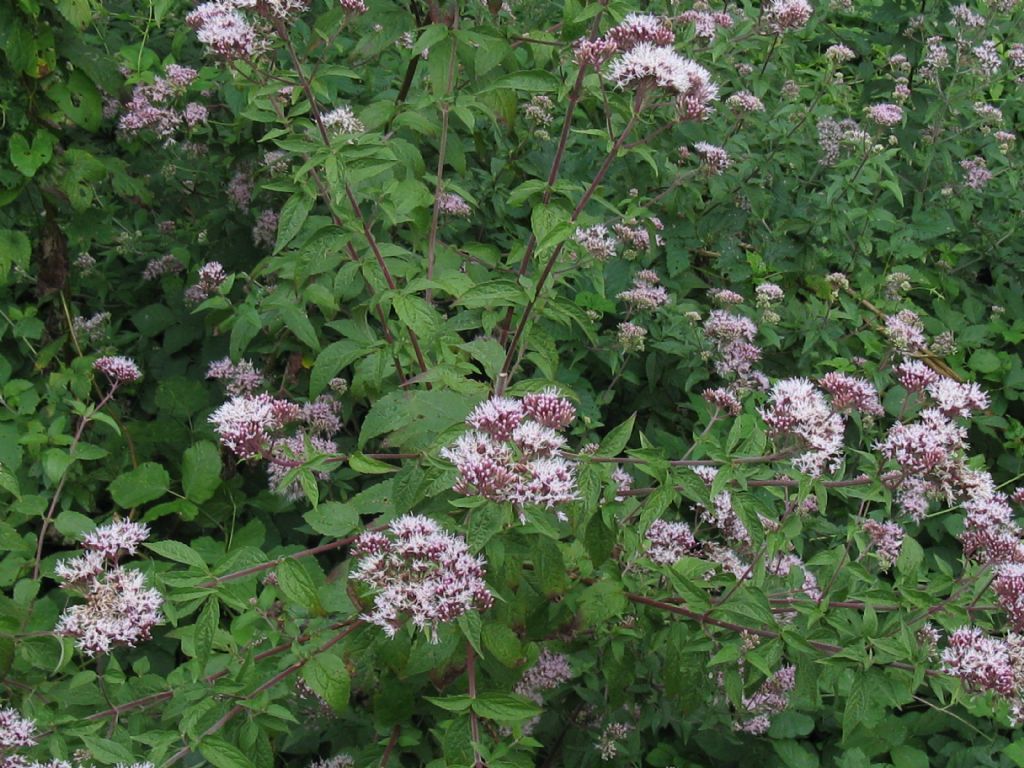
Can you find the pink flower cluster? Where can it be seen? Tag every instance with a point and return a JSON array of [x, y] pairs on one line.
[[341, 120], [976, 173], [450, 204], [247, 424], [886, 539], [914, 375], [418, 570], [162, 265], [15, 730], [646, 293], [647, 60], [706, 22], [796, 408], [264, 232], [551, 670], [852, 393], [906, 331], [221, 26], [781, 16], [119, 370], [886, 114], [731, 336], [770, 699], [597, 241], [151, 107], [119, 608], [670, 542], [714, 159], [512, 454], [983, 663], [241, 378], [1009, 588], [209, 279], [631, 336]]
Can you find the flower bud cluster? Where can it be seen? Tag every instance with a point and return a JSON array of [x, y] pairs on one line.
[[119, 370]]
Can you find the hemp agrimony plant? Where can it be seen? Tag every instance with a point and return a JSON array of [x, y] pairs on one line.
[[511, 384]]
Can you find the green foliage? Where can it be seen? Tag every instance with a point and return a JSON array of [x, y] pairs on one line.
[[385, 281]]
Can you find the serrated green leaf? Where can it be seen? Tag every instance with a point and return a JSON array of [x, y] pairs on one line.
[[200, 471], [177, 551], [615, 441], [365, 465], [223, 754], [297, 585], [328, 676], [203, 633], [146, 482], [505, 707]]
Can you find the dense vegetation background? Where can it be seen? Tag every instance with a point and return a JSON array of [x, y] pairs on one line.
[[526, 384]]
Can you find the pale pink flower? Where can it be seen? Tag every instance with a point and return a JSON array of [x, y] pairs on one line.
[[660, 66], [597, 241], [498, 417], [956, 398], [593, 53], [119, 610], [639, 28], [342, 120], [240, 189], [222, 28], [781, 16], [451, 204], [535, 440], [724, 399], [631, 336], [1009, 588], [623, 482], [839, 53], [714, 158], [485, 466], [705, 22], [905, 331], [670, 542], [547, 482], [287, 453], [886, 114], [419, 571], [164, 265], [208, 280], [240, 378], [982, 663], [745, 101], [246, 423], [976, 173], [264, 232], [770, 699], [852, 393], [886, 539], [796, 408], [645, 293], [15, 730], [112, 539]]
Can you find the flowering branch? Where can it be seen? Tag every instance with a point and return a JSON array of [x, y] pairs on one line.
[[314, 107], [511, 349]]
